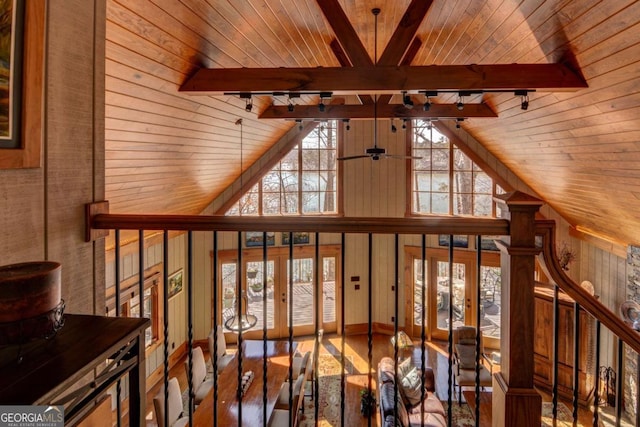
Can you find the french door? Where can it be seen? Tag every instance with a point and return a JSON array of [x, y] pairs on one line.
[[431, 279], [289, 292]]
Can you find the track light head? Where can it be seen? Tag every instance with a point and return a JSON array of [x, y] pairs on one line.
[[404, 123], [290, 106], [458, 121], [524, 98], [407, 101], [394, 129], [299, 121], [249, 105], [427, 105], [321, 106]]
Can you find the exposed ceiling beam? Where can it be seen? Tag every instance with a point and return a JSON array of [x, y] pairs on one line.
[[384, 79], [406, 30], [408, 57], [306, 112], [354, 53]]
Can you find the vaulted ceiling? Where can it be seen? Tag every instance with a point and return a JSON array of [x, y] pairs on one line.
[[169, 151]]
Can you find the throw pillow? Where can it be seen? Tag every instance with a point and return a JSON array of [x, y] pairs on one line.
[[404, 368], [412, 387]]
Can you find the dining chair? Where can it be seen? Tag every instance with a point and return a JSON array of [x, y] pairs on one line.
[[464, 360], [201, 386], [311, 373], [175, 406], [217, 334], [280, 415]]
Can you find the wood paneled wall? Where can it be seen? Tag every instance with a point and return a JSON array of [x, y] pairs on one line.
[[42, 210]]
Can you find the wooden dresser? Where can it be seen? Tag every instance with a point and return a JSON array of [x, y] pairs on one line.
[[543, 345]]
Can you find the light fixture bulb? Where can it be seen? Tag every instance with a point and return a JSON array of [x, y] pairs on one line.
[[406, 100], [524, 103], [427, 105], [321, 106], [460, 105], [249, 105], [290, 107]]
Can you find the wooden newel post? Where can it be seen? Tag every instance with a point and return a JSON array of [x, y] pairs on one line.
[[515, 401]]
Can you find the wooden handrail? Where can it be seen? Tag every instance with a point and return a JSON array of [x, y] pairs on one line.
[[421, 225], [546, 229]]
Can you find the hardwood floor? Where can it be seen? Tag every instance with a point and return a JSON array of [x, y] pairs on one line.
[[356, 349]]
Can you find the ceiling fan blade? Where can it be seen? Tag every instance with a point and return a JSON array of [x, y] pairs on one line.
[[361, 156], [397, 156]]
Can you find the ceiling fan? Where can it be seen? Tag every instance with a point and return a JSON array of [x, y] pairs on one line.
[[375, 152]]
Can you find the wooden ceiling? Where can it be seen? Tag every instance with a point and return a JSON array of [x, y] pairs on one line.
[[172, 152]]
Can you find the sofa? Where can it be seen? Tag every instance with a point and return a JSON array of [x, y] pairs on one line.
[[409, 407]]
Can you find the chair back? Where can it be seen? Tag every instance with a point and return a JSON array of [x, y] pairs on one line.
[[217, 334], [175, 403], [199, 371]]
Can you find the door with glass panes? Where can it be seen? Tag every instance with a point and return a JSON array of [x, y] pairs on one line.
[[285, 289], [432, 294]]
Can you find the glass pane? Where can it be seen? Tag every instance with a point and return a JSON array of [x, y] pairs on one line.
[[422, 202], [328, 290], [462, 204], [302, 298], [289, 181], [490, 286], [461, 162], [271, 203], [462, 182], [327, 160], [310, 160], [290, 160], [440, 182], [229, 278], [482, 205], [418, 292], [310, 181], [458, 281], [255, 292], [310, 202], [440, 203], [290, 201], [271, 182], [440, 159], [482, 183]]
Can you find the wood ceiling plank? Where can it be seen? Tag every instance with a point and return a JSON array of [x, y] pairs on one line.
[[345, 33], [382, 79]]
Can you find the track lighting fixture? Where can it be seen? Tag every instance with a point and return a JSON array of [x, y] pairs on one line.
[[394, 129], [290, 106], [404, 123], [347, 124], [299, 121], [248, 101], [427, 105], [406, 100], [460, 104], [321, 105], [458, 121]]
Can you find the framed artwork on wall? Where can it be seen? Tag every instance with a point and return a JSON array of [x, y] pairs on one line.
[[255, 238], [299, 238], [175, 283], [21, 83], [459, 241]]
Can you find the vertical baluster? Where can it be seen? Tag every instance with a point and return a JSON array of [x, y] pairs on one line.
[[216, 302], [165, 308], [596, 397], [423, 316], [576, 359], [239, 281], [450, 339], [291, 380], [554, 397], [343, 245], [190, 323], [265, 376], [395, 325], [478, 320], [118, 314], [370, 319], [619, 382], [319, 290]]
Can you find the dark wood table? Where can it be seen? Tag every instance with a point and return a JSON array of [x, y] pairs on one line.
[[485, 406], [230, 411], [51, 367]]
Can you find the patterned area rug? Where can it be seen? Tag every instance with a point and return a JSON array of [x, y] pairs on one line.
[[329, 392]]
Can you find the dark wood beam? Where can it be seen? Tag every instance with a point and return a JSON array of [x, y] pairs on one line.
[[344, 61], [406, 30], [408, 58], [355, 112], [385, 79], [345, 33]]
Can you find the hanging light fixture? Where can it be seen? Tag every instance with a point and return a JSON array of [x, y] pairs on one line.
[[242, 320], [394, 129], [406, 100], [524, 99], [460, 104]]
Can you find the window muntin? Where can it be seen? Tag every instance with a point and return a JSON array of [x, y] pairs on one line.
[[445, 181], [304, 182]]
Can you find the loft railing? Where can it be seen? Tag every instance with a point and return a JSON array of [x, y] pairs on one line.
[[602, 315], [416, 226]]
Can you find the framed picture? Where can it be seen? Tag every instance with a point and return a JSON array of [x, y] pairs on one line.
[[459, 241], [299, 238], [175, 283], [487, 243], [21, 88], [254, 238]]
